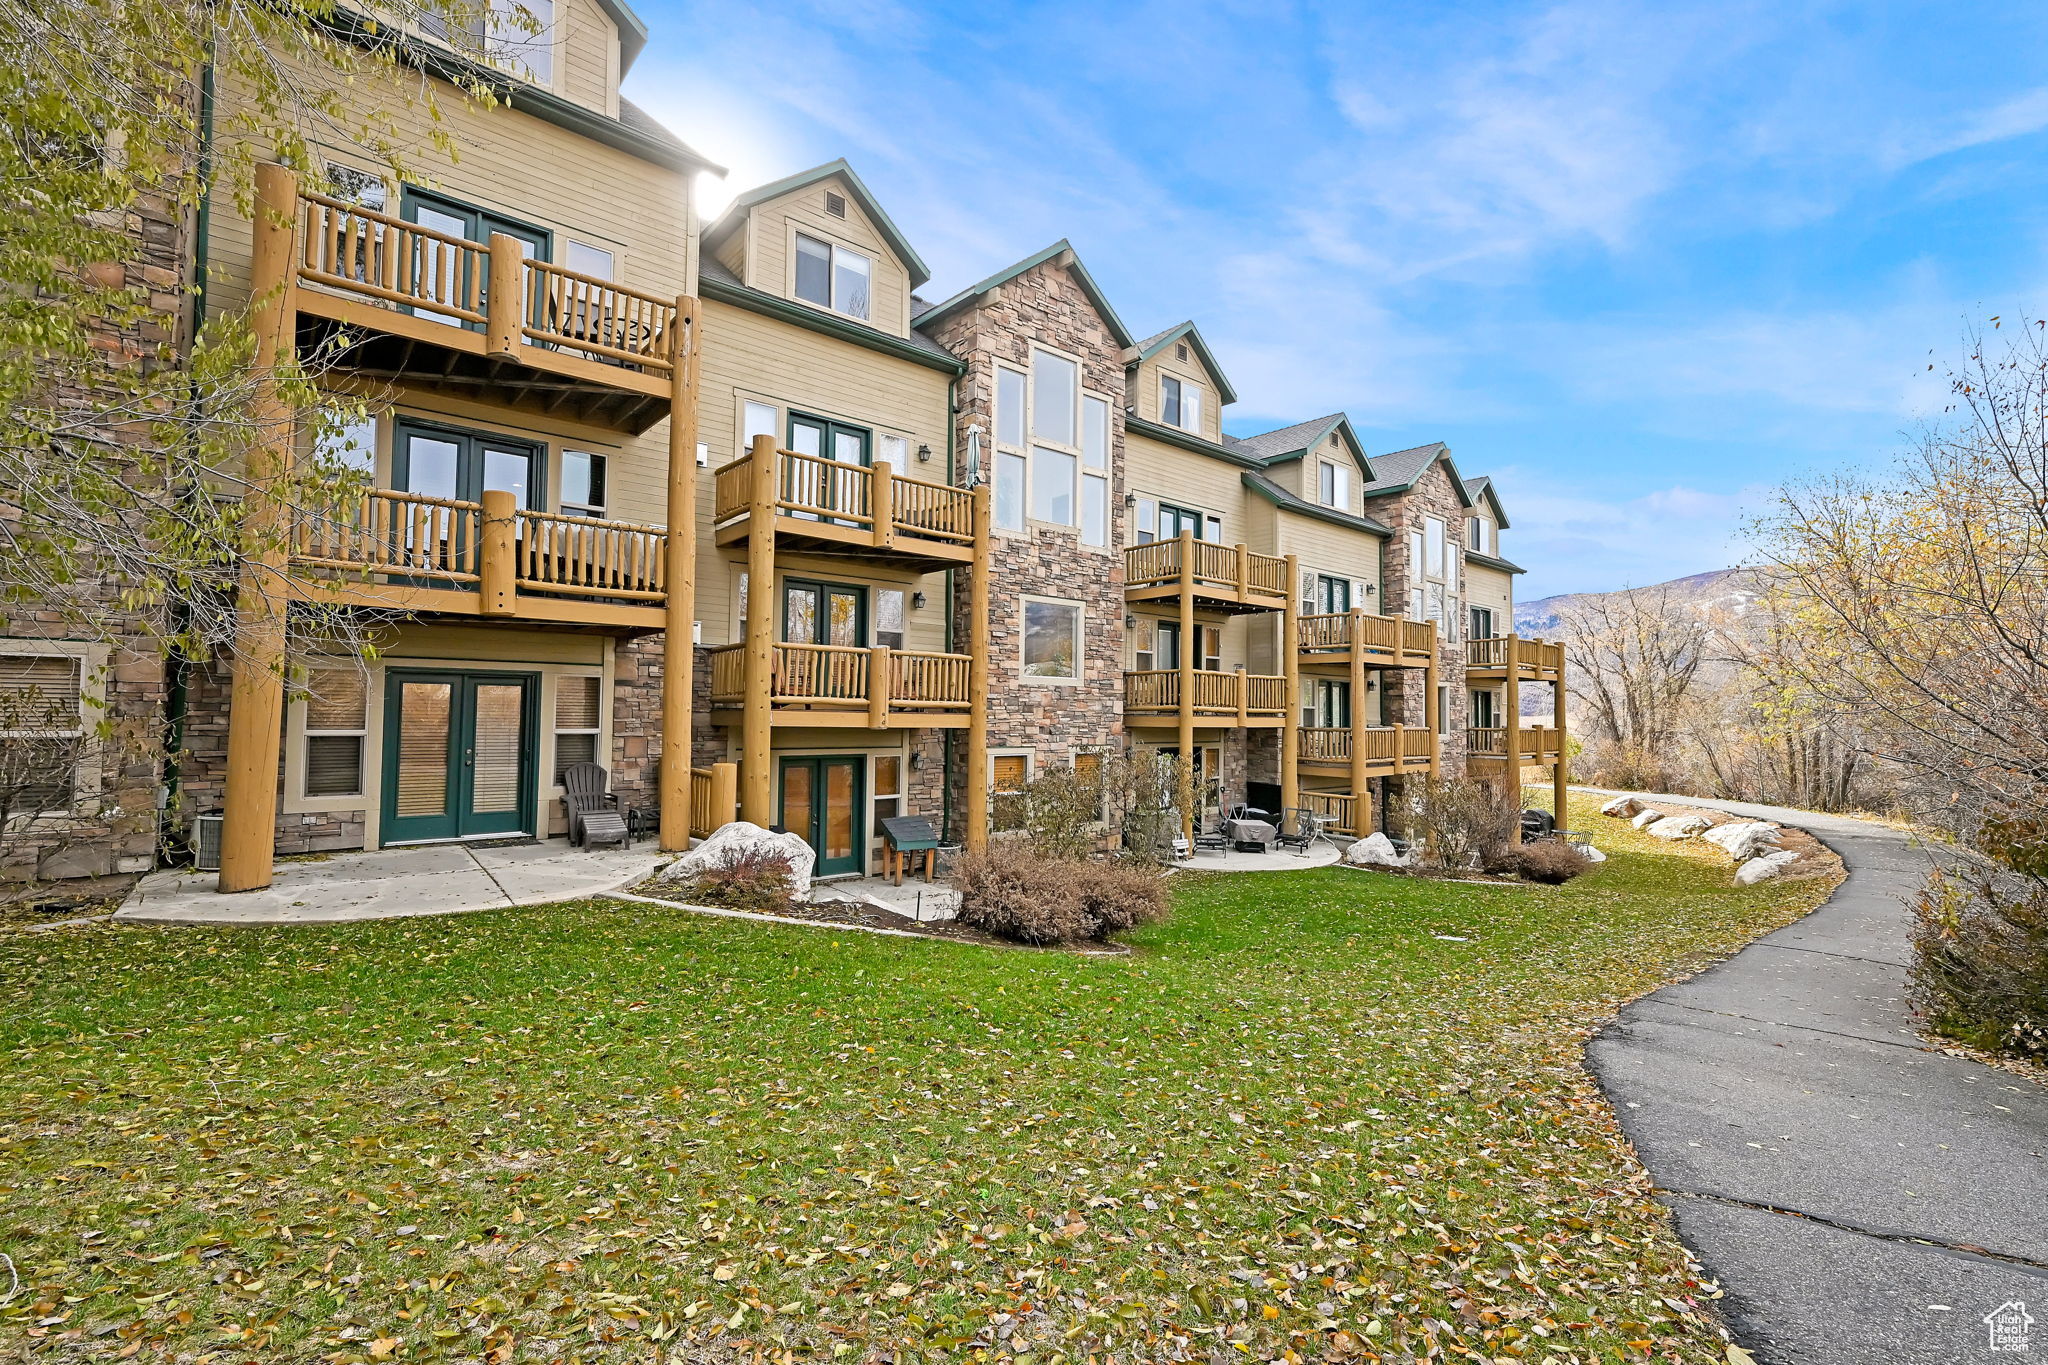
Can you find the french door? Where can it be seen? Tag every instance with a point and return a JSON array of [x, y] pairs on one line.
[[822, 614], [820, 487], [448, 462], [459, 754], [822, 803], [1484, 713], [452, 218]]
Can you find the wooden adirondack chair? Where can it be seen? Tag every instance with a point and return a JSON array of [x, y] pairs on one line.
[[593, 810]]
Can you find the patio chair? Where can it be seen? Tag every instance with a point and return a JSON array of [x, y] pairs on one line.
[[593, 811], [1300, 830], [1211, 839]]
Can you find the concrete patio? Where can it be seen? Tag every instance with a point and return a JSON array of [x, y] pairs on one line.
[[436, 879]]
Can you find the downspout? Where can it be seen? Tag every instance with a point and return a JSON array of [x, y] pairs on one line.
[[946, 777], [177, 683]]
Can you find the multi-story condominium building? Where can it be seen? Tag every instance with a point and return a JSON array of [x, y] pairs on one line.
[[740, 514]]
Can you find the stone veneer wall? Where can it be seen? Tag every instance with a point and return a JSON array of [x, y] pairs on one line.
[[637, 739], [1433, 495], [1053, 721], [118, 831]]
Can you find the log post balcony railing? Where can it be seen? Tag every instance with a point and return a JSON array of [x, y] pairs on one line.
[[1382, 641], [1515, 746], [714, 798], [1378, 746], [1238, 697], [1531, 660], [1161, 569], [382, 545], [871, 505], [1339, 808], [888, 688]]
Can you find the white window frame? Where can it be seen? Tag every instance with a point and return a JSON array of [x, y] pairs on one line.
[[1333, 484], [601, 471], [1080, 609], [834, 249], [85, 772], [1022, 448], [307, 734], [995, 796], [1188, 402], [556, 729]]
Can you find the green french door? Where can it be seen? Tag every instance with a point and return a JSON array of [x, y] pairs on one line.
[[452, 218], [460, 755], [821, 803]]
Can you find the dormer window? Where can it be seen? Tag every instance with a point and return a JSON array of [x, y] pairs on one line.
[[518, 35], [1334, 487], [830, 276], [1180, 404]]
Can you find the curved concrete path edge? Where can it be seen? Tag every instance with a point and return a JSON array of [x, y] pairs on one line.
[[1860, 1195]]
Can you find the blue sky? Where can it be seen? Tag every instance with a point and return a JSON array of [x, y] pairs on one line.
[[1640, 262]]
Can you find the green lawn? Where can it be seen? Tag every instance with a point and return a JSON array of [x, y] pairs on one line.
[[1296, 1119]]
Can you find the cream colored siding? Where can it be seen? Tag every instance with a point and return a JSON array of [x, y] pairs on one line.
[[1486, 587], [749, 357], [510, 163], [587, 56], [1189, 371], [1335, 550], [1155, 470], [771, 230]]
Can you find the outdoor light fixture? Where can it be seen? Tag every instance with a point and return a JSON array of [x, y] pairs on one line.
[[1130, 623], [924, 454], [1130, 500], [917, 599], [916, 760]]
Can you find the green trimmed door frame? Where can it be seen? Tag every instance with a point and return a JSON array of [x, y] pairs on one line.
[[822, 799], [461, 754]]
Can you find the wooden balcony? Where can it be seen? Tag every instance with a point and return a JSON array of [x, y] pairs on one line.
[[822, 506], [1514, 748], [405, 552], [1380, 641], [1492, 658], [1226, 578], [714, 798], [421, 307], [1380, 749], [1239, 699], [840, 685]]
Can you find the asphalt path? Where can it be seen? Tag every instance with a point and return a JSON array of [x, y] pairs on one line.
[[1860, 1195]]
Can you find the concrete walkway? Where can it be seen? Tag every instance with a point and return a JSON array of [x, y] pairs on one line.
[[1860, 1196], [432, 879]]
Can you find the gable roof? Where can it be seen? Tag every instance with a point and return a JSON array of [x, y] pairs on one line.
[[737, 211], [1159, 341], [1292, 443], [1117, 330], [1290, 502], [1397, 470], [1480, 486], [632, 31], [714, 281]]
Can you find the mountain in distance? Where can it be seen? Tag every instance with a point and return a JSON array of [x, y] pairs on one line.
[[1718, 590]]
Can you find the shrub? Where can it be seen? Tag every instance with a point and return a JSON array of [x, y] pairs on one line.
[[1456, 823], [1011, 890], [1551, 861], [1980, 969], [744, 879], [1061, 812]]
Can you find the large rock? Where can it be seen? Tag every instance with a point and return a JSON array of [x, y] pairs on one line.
[[1646, 816], [729, 841], [1688, 825], [1621, 807], [1764, 868], [1744, 839], [1591, 854], [1374, 850]]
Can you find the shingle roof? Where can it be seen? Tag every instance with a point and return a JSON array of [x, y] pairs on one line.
[[1117, 330], [711, 272], [869, 205], [647, 125], [1282, 498], [1494, 562], [1480, 486], [1270, 445], [1159, 341], [1396, 469]]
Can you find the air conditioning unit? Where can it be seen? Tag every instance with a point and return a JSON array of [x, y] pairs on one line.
[[206, 833]]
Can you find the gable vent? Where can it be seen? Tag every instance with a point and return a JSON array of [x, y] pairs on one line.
[[1180, 352], [835, 204]]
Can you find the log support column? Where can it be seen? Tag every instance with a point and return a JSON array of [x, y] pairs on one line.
[[757, 773], [1290, 671], [256, 696], [1355, 625], [679, 575], [1186, 713], [976, 832], [1512, 735], [1560, 772]]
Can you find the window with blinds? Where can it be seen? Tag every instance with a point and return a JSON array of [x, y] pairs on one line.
[[337, 726], [1008, 774], [42, 732], [577, 708]]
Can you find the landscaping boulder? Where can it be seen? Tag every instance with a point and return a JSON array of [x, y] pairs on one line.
[[1622, 807], [1765, 867], [1688, 825], [1744, 839], [1375, 850], [1646, 816], [729, 841]]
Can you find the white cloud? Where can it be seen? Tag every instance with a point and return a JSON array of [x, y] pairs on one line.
[[1577, 542]]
